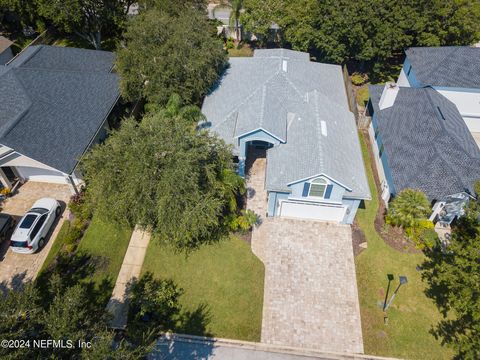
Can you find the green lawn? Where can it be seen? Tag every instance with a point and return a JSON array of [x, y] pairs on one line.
[[57, 245], [362, 95], [241, 51], [106, 243], [225, 278], [412, 313]]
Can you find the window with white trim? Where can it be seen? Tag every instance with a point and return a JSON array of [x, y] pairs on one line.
[[318, 187]]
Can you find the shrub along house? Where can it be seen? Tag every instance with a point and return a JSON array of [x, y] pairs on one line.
[[296, 109], [54, 104]]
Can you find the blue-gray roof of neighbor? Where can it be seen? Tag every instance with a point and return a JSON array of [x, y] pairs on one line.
[[427, 143], [301, 103], [446, 66], [53, 101]]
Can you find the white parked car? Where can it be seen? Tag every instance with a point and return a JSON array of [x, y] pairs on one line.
[[33, 227]]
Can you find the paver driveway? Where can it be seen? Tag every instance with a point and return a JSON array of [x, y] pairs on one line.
[[17, 268], [310, 295]]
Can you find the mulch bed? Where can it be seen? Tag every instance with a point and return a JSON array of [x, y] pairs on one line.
[[393, 236], [358, 237], [245, 236]]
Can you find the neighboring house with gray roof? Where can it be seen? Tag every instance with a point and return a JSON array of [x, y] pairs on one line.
[[422, 142], [5, 50], [297, 109], [426, 128], [54, 104], [454, 71]]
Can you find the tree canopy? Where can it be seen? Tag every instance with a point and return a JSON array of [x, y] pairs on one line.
[[340, 31], [166, 176], [88, 19], [169, 49], [453, 279], [69, 315]]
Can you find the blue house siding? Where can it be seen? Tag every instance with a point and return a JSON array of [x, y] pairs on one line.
[[352, 205], [410, 73], [336, 196], [383, 157], [336, 192], [273, 198]]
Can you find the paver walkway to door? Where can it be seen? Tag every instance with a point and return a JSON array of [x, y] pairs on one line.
[[130, 270], [310, 293]]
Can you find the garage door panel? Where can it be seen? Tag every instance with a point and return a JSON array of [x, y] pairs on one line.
[[312, 211]]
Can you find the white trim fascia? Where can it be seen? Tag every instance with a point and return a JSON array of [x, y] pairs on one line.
[[311, 200], [318, 175], [260, 128]]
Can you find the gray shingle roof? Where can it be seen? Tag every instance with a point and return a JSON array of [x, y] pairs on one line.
[[50, 114], [427, 143], [62, 58], [451, 66], [257, 93]]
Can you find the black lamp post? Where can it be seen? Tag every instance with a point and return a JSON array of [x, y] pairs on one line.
[[390, 278], [403, 280]]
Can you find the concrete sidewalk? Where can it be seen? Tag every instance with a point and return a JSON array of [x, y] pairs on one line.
[[130, 270]]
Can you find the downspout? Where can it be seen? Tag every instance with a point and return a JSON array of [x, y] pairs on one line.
[[74, 186]]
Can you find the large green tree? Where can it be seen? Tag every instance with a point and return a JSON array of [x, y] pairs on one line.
[[453, 279], [167, 176], [365, 31], [88, 19], [169, 49], [69, 315]]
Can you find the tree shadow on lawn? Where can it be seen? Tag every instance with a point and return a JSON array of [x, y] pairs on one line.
[[155, 308], [72, 269], [195, 322]]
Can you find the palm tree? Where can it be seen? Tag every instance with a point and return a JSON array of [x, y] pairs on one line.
[[408, 208], [175, 107], [237, 6]]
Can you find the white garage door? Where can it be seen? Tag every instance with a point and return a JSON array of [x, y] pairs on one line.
[[312, 211]]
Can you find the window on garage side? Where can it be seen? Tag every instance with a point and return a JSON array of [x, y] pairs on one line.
[[318, 187]]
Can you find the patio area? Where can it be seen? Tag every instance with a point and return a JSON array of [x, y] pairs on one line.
[[18, 268]]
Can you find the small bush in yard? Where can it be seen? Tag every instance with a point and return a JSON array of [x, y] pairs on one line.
[[230, 43], [78, 207], [407, 208], [358, 79], [243, 222], [74, 233]]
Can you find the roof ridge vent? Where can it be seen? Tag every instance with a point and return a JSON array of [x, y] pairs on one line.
[[284, 65], [389, 94]]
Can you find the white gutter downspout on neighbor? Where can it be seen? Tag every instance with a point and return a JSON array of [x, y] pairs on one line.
[[73, 185]]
